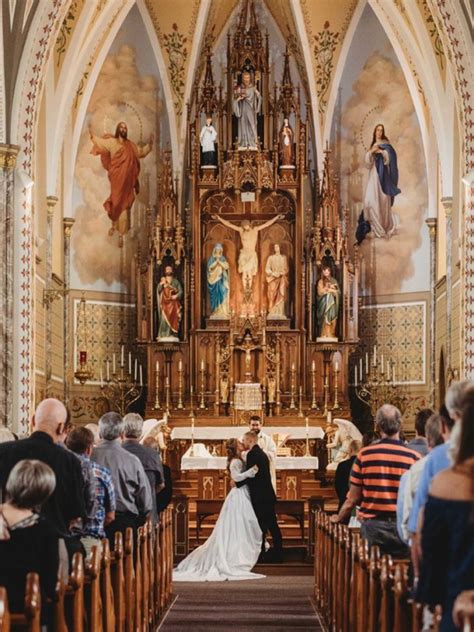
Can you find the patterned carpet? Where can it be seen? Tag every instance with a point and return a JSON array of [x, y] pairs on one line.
[[276, 604]]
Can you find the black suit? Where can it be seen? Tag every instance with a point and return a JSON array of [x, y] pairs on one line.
[[263, 496]]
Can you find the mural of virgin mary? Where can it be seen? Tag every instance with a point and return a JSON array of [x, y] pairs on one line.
[[382, 185], [218, 283]]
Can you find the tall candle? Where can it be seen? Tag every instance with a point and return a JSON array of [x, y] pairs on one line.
[[130, 362], [366, 362], [381, 362], [293, 366], [360, 368], [336, 366], [313, 366], [355, 375], [101, 378], [157, 366], [307, 424], [388, 371], [135, 371], [375, 355], [180, 366], [141, 375], [113, 364], [203, 366], [108, 370], [122, 356]]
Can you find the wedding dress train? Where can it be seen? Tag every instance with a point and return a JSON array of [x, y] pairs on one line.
[[233, 548]]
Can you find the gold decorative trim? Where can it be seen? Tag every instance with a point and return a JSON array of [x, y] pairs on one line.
[[8, 154]]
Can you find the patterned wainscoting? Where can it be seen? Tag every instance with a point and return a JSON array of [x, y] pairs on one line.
[[399, 329], [109, 324]]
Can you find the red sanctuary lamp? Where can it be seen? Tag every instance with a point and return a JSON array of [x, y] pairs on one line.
[[83, 373]]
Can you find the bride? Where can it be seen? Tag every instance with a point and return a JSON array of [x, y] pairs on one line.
[[233, 548]]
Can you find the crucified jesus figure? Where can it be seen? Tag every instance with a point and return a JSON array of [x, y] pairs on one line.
[[248, 259]]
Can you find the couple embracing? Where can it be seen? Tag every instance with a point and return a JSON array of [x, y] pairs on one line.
[[238, 539]]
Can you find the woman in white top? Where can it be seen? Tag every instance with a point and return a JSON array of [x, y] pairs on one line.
[[233, 548]]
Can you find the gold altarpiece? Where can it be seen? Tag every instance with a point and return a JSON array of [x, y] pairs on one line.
[[299, 374]]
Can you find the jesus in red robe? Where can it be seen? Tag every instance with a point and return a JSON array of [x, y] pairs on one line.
[[120, 157]]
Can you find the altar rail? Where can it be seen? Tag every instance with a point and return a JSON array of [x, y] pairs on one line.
[[360, 590], [111, 591]]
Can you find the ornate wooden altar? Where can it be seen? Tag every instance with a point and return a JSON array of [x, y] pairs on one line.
[[195, 372]]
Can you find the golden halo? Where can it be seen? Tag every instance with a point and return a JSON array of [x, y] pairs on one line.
[[108, 120], [362, 130]]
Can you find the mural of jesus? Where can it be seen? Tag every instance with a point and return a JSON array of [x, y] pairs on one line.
[[120, 157]]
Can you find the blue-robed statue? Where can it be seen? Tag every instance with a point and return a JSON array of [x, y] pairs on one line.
[[218, 283], [382, 184]]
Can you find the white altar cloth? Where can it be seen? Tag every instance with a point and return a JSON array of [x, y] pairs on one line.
[[217, 433], [220, 463]]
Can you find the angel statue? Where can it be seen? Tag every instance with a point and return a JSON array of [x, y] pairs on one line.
[[340, 446]]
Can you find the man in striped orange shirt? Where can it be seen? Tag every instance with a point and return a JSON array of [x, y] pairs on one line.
[[374, 483]]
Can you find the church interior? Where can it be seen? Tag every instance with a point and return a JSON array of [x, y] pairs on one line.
[[249, 223]]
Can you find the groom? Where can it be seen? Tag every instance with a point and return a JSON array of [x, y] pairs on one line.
[[262, 495]]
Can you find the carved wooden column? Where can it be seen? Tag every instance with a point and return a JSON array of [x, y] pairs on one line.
[[8, 154], [51, 201], [448, 210], [68, 223], [432, 223]]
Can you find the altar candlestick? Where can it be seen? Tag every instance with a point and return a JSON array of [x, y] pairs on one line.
[[313, 366], [157, 384], [388, 371], [192, 437], [135, 371], [336, 387], [203, 365], [101, 378], [202, 402], [167, 394], [366, 362], [375, 355], [130, 363], [108, 371], [336, 366], [180, 366], [141, 375], [122, 357], [293, 386], [300, 410], [381, 362], [180, 386], [360, 368], [113, 364], [355, 375], [307, 453], [314, 403]]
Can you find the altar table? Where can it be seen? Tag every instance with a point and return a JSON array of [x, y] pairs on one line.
[[220, 463], [222, 433]]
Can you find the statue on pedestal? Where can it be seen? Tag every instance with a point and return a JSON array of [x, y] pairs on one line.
[[341, 448], [208, 137], [169, 296], [218, 283], [247, 103], [286, 145], [276, 271], [248, 258], [328, 299]]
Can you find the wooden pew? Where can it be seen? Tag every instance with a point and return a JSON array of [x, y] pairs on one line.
[[138, 584], [374, 589], [74, 599], [118, 582], [4, 612], [30, 620], [106, 589], [129, 582], [92, 598]]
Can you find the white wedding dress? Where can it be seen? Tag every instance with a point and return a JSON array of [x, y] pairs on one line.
[[232, 549]]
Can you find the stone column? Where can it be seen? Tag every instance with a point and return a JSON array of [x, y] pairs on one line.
[[432, 223], [50, 203], [68, 223], [8, 154], [448, 210]]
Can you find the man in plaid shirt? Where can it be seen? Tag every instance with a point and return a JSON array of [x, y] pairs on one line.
[[81, 442]]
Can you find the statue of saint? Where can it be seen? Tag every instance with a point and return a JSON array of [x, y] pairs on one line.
[[286, 145], [169, 296], [328, 300], [276, 271], [347, 440], [208, 139], [247, 103], [120, 157], [218, 283], [248, 258]]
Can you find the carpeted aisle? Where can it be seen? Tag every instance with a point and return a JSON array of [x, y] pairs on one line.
[[276, 604]]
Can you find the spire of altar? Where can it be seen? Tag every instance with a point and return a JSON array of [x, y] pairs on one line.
[[287, 100], [208, 101], [249, 49]]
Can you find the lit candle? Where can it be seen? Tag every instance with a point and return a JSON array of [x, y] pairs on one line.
[[307, 424], [375, 355], [366, 362], [108, 371], [122, 356], [130, 362], [180, 366], [113, 364], [360, 368], [355, 375], [381, 362], [203, 366], [141, 375], [101, 378], [336, 366], [293, 367], [135, 372], [157, 367], [388, 371], [313, 366]]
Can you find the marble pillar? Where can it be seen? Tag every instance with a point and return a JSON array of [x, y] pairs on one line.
[[68, 223], [8, 155], [448, 210], [432, 224]]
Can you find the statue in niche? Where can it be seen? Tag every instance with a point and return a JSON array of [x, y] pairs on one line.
[[224, 389], [328, 299], [382, 184], [276, 271], [218, 283], [120, 157], [286, 145], [248, 258], [247, 104], [208, 138], [169, 297]]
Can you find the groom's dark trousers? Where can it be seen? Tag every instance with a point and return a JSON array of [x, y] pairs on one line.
[[263, 496]]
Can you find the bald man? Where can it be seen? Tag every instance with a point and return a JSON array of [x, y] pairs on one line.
[[66, 504]]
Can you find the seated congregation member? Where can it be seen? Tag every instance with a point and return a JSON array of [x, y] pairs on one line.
[[419, 443], [28, 542], [66, 504], [149, 458], [374, 483], [343, 472], [447, 526], [411, 479], [132, 489], [92, 531], [438, 459]]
